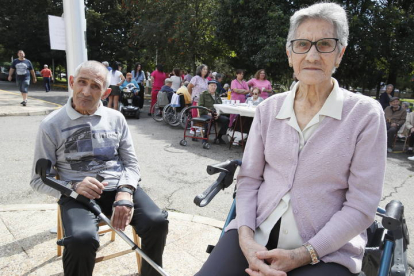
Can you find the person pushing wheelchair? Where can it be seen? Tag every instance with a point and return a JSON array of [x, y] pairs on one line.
[[84, 139], [313, 168]]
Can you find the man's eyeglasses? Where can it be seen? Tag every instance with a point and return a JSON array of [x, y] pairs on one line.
[[255, 93], [323, 45]]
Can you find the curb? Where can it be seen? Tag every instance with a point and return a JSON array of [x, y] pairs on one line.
[[29, 113], [171, 215]]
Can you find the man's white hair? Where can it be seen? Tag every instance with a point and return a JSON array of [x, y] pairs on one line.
[[95, 66]]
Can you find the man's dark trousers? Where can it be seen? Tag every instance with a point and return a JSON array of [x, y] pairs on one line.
[[46, 83], [81, 238], [391, 133]]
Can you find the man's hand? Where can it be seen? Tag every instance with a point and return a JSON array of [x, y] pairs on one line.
[[34, 80], [393, 124], [122, 215], [412, 129], [90, 187], [10, 78]]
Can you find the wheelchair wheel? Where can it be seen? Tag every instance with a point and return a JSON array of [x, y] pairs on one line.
[[183, 117], [206, 145], [156, 113], [183, 142], [169, 115]]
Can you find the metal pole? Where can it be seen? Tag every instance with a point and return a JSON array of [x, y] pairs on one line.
[[75, 24]]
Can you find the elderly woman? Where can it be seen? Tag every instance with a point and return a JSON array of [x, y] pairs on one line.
[[260, 81], [197, 85], [307, 189], [255, 99]]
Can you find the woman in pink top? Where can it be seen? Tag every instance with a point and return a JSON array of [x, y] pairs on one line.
[[308, 188], [239, 90], [197, 85], [157, 79], [260, 81]]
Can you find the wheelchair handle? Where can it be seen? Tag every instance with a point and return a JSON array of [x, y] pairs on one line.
[[205, 197], [224, 180], [394, 212]]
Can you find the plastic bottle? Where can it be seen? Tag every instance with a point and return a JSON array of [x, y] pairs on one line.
[[229, 94]]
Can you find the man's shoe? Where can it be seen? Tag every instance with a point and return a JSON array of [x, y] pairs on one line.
[[24, 103], [149, 114], [194, 139], [411, 158], [389, 149]]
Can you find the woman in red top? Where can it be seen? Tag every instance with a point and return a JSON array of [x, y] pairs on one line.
[[157, 80], [47, 77]]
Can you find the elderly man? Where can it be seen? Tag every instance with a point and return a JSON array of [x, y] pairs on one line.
[[24, 69], [83, 139], [208, 99], [395, 117], [47, 77], [386, 96], [137, 100]]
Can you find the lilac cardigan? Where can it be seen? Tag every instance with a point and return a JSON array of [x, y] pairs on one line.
[[335, 182]]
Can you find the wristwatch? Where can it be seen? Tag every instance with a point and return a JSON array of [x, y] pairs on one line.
[[312, 252]]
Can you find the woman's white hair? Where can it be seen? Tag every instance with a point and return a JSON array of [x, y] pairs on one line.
[[330, 12]]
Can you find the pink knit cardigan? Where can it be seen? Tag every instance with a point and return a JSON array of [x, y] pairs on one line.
[[335, 181]]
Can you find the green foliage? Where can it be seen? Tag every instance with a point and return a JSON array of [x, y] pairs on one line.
[[224, 34]]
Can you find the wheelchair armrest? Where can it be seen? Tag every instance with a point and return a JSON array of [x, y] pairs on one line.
[[393, 215]]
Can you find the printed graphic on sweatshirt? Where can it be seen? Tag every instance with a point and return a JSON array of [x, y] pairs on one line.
[[88, 150]]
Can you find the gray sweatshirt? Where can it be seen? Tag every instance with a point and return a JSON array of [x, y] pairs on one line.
[[85, 145]]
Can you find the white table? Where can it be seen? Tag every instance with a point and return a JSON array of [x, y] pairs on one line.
[[241, 110]]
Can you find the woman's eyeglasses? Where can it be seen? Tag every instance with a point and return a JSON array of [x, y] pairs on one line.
[[323, 45]]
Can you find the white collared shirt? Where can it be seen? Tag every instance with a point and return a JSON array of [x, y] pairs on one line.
[[289, 237]]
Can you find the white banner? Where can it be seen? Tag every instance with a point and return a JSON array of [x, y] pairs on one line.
[[57, 33]]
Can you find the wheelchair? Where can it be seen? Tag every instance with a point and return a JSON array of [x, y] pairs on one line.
[[172, 114], [127, 106], [388, 239], [163, 99], [200, 123]]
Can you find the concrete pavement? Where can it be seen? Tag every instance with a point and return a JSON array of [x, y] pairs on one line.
[[10, 105], [28, 248]]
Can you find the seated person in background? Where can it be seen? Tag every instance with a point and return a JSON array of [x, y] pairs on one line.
[[408, 132], [406, 106], [208, 99], [395, 117], [167, 87], [83, 139], [255, 98], [220, 90], [184, 91], [132, 85]]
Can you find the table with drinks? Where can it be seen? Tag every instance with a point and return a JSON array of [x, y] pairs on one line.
[[235, 107]]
